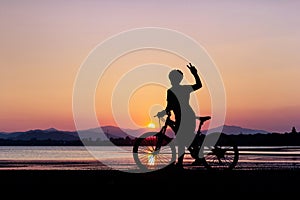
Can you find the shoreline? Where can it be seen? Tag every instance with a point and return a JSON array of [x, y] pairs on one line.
[[94, 164]]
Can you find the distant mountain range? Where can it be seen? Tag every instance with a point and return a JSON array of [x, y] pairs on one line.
[[236, 130], [38, 134], [103, 134]]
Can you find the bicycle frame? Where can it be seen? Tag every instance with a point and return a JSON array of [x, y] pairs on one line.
[[172, 125], [158, 147], [162, 133]]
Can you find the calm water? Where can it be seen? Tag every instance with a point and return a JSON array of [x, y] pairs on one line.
[[120, 158], [65, 157]]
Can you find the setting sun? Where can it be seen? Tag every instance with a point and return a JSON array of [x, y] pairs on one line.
[[151, 125]]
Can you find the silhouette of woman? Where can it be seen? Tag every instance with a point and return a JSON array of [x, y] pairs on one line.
[[178, 97]]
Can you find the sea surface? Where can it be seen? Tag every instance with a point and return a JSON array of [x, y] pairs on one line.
[[120, 158]]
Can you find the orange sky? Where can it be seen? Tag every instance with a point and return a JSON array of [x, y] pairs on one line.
[[254, 44]]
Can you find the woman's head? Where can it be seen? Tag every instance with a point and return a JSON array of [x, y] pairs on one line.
[[175, 76]]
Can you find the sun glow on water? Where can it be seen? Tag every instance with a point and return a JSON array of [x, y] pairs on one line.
[[151, 159]]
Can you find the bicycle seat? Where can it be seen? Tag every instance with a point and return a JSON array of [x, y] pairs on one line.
[[204, 118]]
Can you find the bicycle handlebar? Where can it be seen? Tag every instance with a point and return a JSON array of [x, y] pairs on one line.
[[203, 118]]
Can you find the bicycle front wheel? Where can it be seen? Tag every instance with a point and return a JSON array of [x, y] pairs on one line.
[[223, 155], [152, 151]]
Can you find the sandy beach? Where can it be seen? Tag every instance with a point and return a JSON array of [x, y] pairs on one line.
[[280, 180], [85, 173]]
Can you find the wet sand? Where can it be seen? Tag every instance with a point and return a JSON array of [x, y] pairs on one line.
[[274, 179], [32, 165]]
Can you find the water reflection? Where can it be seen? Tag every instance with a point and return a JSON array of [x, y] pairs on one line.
[[102, 158]]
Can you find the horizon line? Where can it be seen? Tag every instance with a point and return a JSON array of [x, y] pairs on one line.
[[157, 128]]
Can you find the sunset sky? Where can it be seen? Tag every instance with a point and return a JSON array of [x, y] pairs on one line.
[[255, 45]]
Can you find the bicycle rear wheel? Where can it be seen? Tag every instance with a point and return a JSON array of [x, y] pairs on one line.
[[149, 155], [223, 155]]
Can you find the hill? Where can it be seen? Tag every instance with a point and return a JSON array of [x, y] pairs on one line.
[[53, 136], [236, 130], [111, 135]]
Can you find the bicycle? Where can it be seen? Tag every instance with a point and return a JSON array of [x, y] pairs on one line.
[[156, 150]]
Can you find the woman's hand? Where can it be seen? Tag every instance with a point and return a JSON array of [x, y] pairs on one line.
[[161, 114], [192, 68]]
